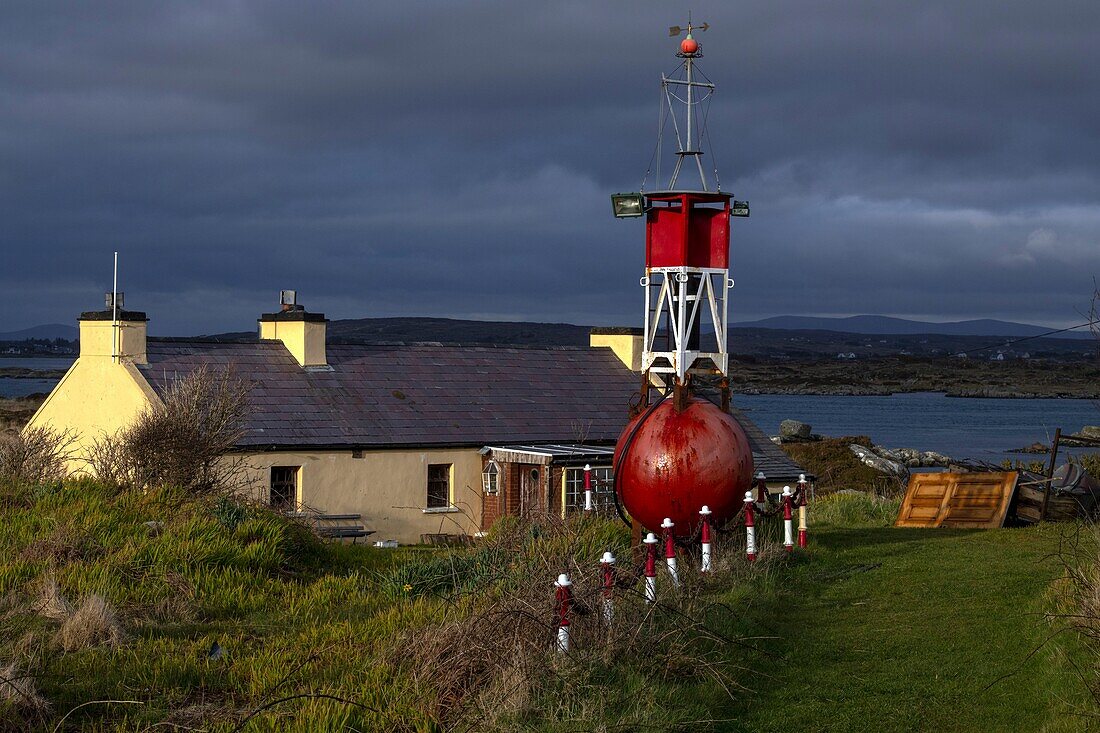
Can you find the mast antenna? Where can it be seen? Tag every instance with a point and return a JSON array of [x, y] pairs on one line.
[[690, 49], [114, 313]]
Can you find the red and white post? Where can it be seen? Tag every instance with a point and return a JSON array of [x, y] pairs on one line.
[[563, 594], [587, 489], [650, 568], [761, 487], [788, 531], [607, 573], [670, 551], [750, 528], [704, 533], [803, 490]]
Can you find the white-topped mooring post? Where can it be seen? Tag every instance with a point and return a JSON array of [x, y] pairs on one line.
[[803, 490], [563, 594], [788, 533], [750, 528], [705, 537], [607, 571], [650, 568], [587, 488], [670, 551]]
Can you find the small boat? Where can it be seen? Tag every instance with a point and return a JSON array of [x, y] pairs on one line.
[[1074, 494]]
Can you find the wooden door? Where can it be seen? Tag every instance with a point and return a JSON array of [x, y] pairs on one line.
[[532, 491], [957, 500]]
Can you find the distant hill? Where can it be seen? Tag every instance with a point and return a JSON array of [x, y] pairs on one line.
[[901, 326], [450, 330], [48, 331], [746, 341]]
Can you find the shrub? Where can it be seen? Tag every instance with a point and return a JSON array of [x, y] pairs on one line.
[[182, 441], [831, 460], [36, 455], [1091, 463]]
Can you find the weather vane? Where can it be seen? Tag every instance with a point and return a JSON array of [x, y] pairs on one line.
[[689, 51]]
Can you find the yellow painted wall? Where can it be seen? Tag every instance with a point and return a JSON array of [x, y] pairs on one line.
[[305, 340], [97, 340], [96, 397], [387, 487], [628, 347]]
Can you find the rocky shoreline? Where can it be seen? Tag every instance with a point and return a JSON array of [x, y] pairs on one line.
[[894, 462], [953, 377]]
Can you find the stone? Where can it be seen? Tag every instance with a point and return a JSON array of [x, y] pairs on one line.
[[795, 429], [934, 458], [877, 462], [1091, 431]]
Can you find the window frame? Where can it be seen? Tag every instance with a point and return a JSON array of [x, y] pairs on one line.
[[490, 479], [293, 501], [603, 489], [448, 495]]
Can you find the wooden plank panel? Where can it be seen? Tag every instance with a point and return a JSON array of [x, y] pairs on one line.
[[979, 500], [923, 500], [966, 500]]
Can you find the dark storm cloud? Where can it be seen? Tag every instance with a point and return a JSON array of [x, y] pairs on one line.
[[935, 159]]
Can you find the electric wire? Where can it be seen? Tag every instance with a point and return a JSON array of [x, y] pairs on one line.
[[655, 160], [1028, 338]]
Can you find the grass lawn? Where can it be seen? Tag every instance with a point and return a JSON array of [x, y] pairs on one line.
[[874, 629], [890, 629]]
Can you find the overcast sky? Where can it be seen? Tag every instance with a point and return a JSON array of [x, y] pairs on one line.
[[935, 159]]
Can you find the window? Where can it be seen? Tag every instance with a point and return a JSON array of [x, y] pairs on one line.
[[284, 487], [603, 489], [439, 485], [490, 478]]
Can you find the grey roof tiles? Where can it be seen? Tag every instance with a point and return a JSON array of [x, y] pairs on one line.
[[409, 395]]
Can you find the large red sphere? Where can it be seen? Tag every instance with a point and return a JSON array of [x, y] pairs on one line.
[[675, 462], [689, 46]]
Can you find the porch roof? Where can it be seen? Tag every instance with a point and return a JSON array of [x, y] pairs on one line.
[[561, 454]]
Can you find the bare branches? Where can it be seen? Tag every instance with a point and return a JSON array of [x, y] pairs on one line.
[[36, 455], [181, 442]]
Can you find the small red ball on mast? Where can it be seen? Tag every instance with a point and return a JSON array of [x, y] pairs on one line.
[[689, 46]]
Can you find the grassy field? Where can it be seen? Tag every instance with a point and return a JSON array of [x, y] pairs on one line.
[[874, 629], [891, 629]]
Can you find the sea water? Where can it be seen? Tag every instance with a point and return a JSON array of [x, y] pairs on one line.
[[960, 427]]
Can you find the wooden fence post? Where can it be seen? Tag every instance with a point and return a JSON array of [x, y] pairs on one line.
[[1050, 474]]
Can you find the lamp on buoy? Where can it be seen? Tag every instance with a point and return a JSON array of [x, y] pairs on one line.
[[681, 451]]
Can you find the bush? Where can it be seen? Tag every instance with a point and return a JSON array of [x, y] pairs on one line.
[[831, 460], [1090, 462], [35, 455], [182, 441]]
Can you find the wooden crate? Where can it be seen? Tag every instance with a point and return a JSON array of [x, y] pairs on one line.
[[970, 500]]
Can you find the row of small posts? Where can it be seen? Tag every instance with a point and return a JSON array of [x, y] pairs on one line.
[[564, 587]]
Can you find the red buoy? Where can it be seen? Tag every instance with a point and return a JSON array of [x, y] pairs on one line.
[[669, 464], [689, 46]]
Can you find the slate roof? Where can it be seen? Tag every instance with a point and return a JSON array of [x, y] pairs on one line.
[[419, 395]]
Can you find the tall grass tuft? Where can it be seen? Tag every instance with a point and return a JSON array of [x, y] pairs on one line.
[[855, 509], [93, 623]]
